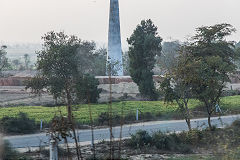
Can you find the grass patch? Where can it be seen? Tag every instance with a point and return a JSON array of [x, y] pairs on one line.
[[158, 109], [193, 157]]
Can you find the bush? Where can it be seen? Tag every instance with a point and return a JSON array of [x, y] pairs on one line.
[[147, 116], [140, 139], [10, 154], [192, 137], [171, 142], [20, 124], [236, 123], [130, 117], [103, 119], [163, 141], [230, 93]]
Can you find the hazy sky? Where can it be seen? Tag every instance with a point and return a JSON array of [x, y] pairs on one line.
[[27, 20]]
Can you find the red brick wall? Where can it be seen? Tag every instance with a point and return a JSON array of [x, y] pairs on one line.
[[19, 81], [13, 81]]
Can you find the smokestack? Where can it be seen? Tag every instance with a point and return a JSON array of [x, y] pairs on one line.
[[114, 38]]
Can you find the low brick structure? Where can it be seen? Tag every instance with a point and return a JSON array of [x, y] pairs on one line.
[[13, 81], [19, 80], [121, 79]]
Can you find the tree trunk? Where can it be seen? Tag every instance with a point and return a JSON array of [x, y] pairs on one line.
[[188, 120], [111, 145], [70, 119], [208, 107], [68, 150], [209, 122], [92, 129], [120, 136], [188, 123]]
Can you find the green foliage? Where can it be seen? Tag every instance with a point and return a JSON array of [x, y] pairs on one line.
[[160, 140], [87, 89], [103, 119], [61, 64], [163, 141], [168, 59], [176, 88], [26, 61], [192, 137], [145, 44], [57, 64], [208, 62], [219, 144], [230, 93], [167, 90], [126, 64], [140, 139], [3, 59], [230, 105], [10, 154], [60, 127], [20, 124], [170, 142], [236, 123], [98, 62]]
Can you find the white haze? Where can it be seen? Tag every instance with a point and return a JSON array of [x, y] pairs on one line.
[[26, 21]]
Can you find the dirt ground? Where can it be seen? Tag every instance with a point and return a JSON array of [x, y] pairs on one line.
[[102, 150], [17, 95]]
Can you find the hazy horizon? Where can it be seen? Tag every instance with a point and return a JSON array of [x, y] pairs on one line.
[[25, 21]]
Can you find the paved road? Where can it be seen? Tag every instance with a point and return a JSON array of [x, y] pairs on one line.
[[36, 140]]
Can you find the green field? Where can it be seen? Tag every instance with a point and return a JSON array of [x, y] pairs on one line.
[[230, 105]]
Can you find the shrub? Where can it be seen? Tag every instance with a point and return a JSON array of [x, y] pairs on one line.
[[20, 124], [192, 137], [236, 123], [10, 154], [230, 93], [147, 116], [140, 139], [103, 119], [163, 141], [130, 117], [171, 142]]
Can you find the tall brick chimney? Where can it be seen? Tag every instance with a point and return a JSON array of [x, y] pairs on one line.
[[114, 38]]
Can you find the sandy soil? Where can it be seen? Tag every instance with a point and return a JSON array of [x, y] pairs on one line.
[[17, 95]]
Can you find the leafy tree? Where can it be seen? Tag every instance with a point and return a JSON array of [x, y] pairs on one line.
[[176, 87], [99, 62], [145, 44], [210, 64], [126, 64], [237, 61], [87, 89], [86, 56], [168, 59], [3, 59], [26, 61], [16, 63], [61, 65]]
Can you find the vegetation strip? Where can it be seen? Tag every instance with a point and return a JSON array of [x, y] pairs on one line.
[[151, 110]]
